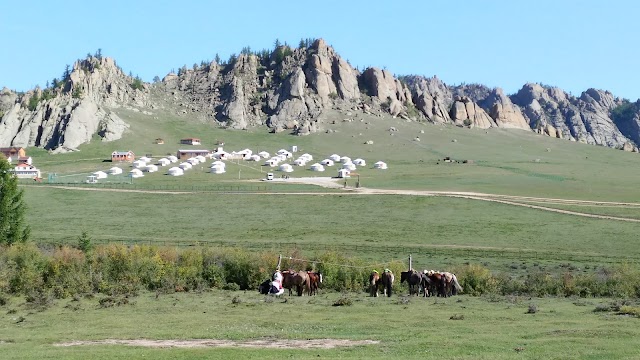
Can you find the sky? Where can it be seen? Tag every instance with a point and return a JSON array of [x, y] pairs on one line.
[[571, 44]]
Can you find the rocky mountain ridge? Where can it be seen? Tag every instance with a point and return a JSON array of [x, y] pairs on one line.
[[288, 89]]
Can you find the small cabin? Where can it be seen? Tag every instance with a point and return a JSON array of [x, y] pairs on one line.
[[123, 156], [190, 141]]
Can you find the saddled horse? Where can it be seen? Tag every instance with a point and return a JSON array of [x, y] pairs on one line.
[[374, 280], [315, 279], [414, 279], [386, 280], [298, 280]]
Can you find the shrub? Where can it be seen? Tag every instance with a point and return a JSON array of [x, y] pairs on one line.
[[343, 301], [476, 280], [77, 92], [630, 310]]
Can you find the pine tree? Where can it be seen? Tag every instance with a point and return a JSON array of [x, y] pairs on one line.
[[12, 208]]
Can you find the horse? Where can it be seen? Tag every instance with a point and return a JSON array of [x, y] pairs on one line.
[[386, 281], [437, 282], [299, 280], [374, 280], [315, 279], [451, 284], [414, 279]]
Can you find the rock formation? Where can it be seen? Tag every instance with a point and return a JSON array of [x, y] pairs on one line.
[[289, 89]]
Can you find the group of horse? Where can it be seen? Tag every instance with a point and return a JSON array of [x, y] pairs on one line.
[[301, 281], [431, 283]]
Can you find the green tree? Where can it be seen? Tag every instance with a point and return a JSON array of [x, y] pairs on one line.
[[156, 79], [12, 208], [137, 84], [217, 59], [84, 242]]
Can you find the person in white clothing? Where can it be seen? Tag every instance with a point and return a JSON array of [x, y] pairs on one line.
[[276, 284]]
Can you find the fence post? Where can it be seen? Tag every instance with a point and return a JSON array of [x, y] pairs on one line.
[[279, 261], [410, 263]]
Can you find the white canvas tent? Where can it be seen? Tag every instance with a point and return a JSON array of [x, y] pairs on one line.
[[335, 157], [145, 159], [360, 162], [327, 162], [115, 170], [264, 154], [217, 170], [306, 156], [344, 173], [139, 164], [175, 171], [185, 166], [100, 175], [380, 165], [286, 168], [218, 163], [349, 166], [151, 168], [254, 157], [164, 162], [172, 158], [193, 161], [136, 173], [345, 159], [317, 167], [300, 162], [201, 158]]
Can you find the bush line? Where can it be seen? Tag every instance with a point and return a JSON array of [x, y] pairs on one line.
[[115, 269]]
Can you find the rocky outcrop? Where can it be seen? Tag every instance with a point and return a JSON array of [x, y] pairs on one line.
[[431, 97], [504, 112], [72, 111], [465, 112], [585, 119], [289, 89]]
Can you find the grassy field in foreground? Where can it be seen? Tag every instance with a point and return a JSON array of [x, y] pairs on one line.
[[455, 328]]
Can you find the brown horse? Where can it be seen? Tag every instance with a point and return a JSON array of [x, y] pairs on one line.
[[315, 279], [374, 280], [298, 280], [387, 282], [438, 283]]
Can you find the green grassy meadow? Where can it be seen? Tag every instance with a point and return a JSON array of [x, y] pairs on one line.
[[486, 328], [439, 232]]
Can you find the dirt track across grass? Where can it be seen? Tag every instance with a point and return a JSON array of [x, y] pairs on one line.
[[203, 343]]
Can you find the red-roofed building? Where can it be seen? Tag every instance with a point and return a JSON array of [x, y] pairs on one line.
[[123, 156]]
